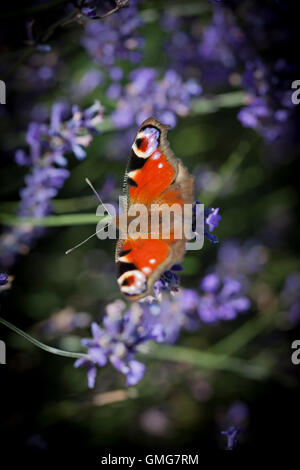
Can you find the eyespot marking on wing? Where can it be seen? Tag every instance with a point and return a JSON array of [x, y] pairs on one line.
[[133, 282], [146, 142]]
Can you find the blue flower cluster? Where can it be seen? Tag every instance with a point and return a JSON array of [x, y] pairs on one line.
[[147, 95], [47, 162], [246, 44], [114, 38], [123, 333], [117, 342]]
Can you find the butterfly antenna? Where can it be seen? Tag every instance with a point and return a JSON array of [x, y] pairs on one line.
[[87, 239], [97, 195]]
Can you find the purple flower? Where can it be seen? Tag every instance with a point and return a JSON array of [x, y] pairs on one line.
[[124, 332], [238, 414], [231, 51], [210, 283], [46, 158], [118, 341], [114, 38], [95, 9], [290, 297], [168, 281], [221, 300], [87, 84], [235, 420], [3, 279], [239, 260], [146, 96], [213, 219], [231, 433]]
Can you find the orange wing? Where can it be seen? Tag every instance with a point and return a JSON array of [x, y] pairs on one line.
[[154, 176], [152, 166]]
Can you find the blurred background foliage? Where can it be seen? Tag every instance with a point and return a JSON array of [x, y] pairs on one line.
[[189, 392]]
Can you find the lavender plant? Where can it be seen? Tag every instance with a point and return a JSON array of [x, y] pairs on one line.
[[46, 160], [231, 51]]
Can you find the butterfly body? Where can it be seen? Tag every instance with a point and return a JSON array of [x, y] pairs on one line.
[[156, 180]]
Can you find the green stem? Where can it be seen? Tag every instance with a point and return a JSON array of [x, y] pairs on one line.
[[53, 220], [223, 100], [50, 349], [208, 360], [170, 353], [246, 333]]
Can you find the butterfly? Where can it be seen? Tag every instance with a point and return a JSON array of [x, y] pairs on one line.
[[154, 175]]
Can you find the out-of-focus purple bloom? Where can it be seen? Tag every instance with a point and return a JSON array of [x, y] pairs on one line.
[[237, 259], [88, 83], [221, 300], [290, 297], [115, 37], [238, 414], [64, 322], [39, 73], [155, 421], [146, 96], [210, 283], [3, 279], [201, 53], [48, 147], [248, 34], [237, 49], [36, 442]]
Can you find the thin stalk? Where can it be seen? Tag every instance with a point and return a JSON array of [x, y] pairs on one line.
[[45, 347], [208, 360], [246, 333], [52, 220]]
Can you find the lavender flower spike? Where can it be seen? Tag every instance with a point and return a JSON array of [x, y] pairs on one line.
[[3, 279], [49, 145], [117, 341], [231, 433]]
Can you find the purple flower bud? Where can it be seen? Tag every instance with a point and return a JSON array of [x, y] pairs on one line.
[[3, 279], [231, 433], [213, 219], [210, 283]]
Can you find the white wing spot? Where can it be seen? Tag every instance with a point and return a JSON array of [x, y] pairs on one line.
[[152, 261], [146, 270], [160, 165], [156, 155]]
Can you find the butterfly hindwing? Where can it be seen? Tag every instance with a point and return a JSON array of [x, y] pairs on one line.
[[141, 262]]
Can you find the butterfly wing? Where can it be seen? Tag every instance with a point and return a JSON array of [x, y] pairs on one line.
[[152, 166], [154, 176]]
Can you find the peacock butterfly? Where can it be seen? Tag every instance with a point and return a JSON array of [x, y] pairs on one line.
[[154, 175]]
